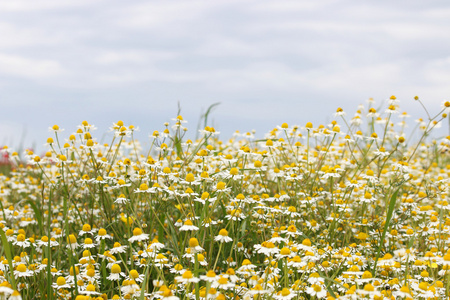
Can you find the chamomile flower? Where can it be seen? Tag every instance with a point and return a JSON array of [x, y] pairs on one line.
[[21, 241], [134, 275], [223, 237], [267, 248], [23, 271], [138, 236], [194, 245], [15, 296], [222, 283], [209, 277], [90, 290], [187, 277], [116, 273], [317, 290], [285, 294], [188, 226], [72, 242], [61, 283], [86, 230], [122, 199], [102, 235], [88, 244], [118, 248]]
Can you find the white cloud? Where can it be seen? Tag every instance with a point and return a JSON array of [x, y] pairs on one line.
[[28, 68], [133, 57], [232, 51], [42, 5], [157, 14], [288, 6]]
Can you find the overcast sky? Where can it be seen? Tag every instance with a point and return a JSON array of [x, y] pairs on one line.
[[267, 62]]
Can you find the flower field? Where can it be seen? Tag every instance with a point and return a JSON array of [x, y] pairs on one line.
[[354, 209]]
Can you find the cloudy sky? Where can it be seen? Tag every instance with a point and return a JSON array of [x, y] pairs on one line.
[[267, 62]]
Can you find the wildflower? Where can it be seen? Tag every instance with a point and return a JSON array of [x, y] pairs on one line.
[[122, 199], [166, 294], [267, 248], [187, 277], [209, 277], [143, 188], [205, 197], [194, 245], [339, 112], [88, 243], [446, 106], [223, 236], [208, 222], [72, 242], [285, 294], [134, 275], [188, 226], [5, 288], [256, 290], [317, 290], [23, 271], [368, 290], [284, 252], [138, 236], [118, 248], [368, 198], [222, 283], [392, 109], [55, 129], [201, 260], [90, 290], [292, 231], [61, 283], [221, 187], [306, 245], [15, 296], [116, 273], [155, 244], [21, 241], [404, 292], [102, 235]]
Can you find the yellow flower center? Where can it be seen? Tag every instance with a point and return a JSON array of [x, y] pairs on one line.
[[369, 288], [190, 177], [220, 185], [285, 292], [223, 280], [90, 288], [193, 242], [187, 275], [285, 251], [115, 269], [137, 231], [134, 274], [60, 281], [21, 268]]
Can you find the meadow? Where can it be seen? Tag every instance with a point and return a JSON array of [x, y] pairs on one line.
[[353, 209]]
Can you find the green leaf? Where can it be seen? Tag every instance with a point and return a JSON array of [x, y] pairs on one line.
[[38, 215], [386, 226], [8, 254]]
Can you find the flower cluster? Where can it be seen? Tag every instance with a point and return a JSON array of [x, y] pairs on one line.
[[303, 213]]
